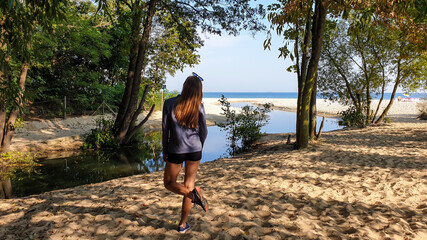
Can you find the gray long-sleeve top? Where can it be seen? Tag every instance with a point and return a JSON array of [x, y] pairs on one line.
[[180, 139]]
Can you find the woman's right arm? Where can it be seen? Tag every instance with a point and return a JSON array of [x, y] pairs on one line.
[[165, 130], [203, 130]]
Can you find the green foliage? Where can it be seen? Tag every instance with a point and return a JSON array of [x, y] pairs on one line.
[[172, 47], [387, 120], [102, 136], [19, 123], [19, 21], [243, 128], [352, 118], [18, 158], [156, 98], [356, 64], [72, 60], [11, 161]]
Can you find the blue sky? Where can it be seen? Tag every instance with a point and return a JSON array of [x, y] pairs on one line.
[[239, 64]]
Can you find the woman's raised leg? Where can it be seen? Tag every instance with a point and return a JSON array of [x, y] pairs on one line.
[[169, 180]]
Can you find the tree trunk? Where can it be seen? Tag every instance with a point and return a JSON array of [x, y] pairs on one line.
[[368, 103], [9, 126], [320, 128], [390, 103], [318, 29], [123, 125], [313, 111], [347, 83], [4, 77], [302, 75], [3, 121], [135, 39], [5, 188], [381, 99]]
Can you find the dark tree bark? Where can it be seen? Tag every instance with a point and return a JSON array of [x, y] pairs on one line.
[[5, 189], [128, 108], [301, 71], [320, 128], [313, 111], [136, 28], [381, 99], [347, 83], [308, 79], [393, 94], [9, 119]]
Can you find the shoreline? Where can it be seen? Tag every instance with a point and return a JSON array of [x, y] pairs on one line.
[[63, 137]]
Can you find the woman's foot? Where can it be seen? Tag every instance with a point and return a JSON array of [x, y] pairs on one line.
[[184, 229], [199, 199]]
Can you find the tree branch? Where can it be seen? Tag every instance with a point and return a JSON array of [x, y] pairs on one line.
[[126, 3], [130, 135], [140, 107]]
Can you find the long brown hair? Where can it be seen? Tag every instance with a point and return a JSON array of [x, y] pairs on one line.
[[188, 104]]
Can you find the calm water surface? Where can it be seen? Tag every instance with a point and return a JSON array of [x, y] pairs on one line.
[[92, 167]]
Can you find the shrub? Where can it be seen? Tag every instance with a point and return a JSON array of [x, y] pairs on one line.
[[18, 159], [422, 108], [102, 136], [243, 128], [352, 118], [12, 161]]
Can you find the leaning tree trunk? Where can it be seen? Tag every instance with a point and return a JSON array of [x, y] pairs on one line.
[[8, 129], [381, 99], [3, 120], [390, 103], [136, 28], [313, 111], [3, 103], [123, 126], [318, 29]]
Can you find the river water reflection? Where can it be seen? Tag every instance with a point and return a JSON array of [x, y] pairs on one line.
[[92, 167]]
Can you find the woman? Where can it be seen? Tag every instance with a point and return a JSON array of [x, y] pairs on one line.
[[184, 133]]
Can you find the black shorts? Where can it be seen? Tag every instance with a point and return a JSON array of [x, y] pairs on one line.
[[179, 158]]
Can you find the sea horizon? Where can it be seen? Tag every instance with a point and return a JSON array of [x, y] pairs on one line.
[[292, 95]]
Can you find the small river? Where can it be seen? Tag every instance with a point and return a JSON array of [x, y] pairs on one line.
[[93, 167]]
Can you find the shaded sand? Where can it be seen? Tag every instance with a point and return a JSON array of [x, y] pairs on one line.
[[353, 184]]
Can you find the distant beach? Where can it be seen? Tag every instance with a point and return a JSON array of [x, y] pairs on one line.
[[290, 95], [324, 107], [60, 136]]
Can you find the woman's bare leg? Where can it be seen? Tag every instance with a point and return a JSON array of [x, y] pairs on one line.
[[169, 180], [191, 168]]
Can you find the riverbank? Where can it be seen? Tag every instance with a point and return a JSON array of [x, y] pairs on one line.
[[356, 183], [64, 137]]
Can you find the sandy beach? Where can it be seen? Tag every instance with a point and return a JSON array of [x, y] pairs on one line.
[[366, 183]]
